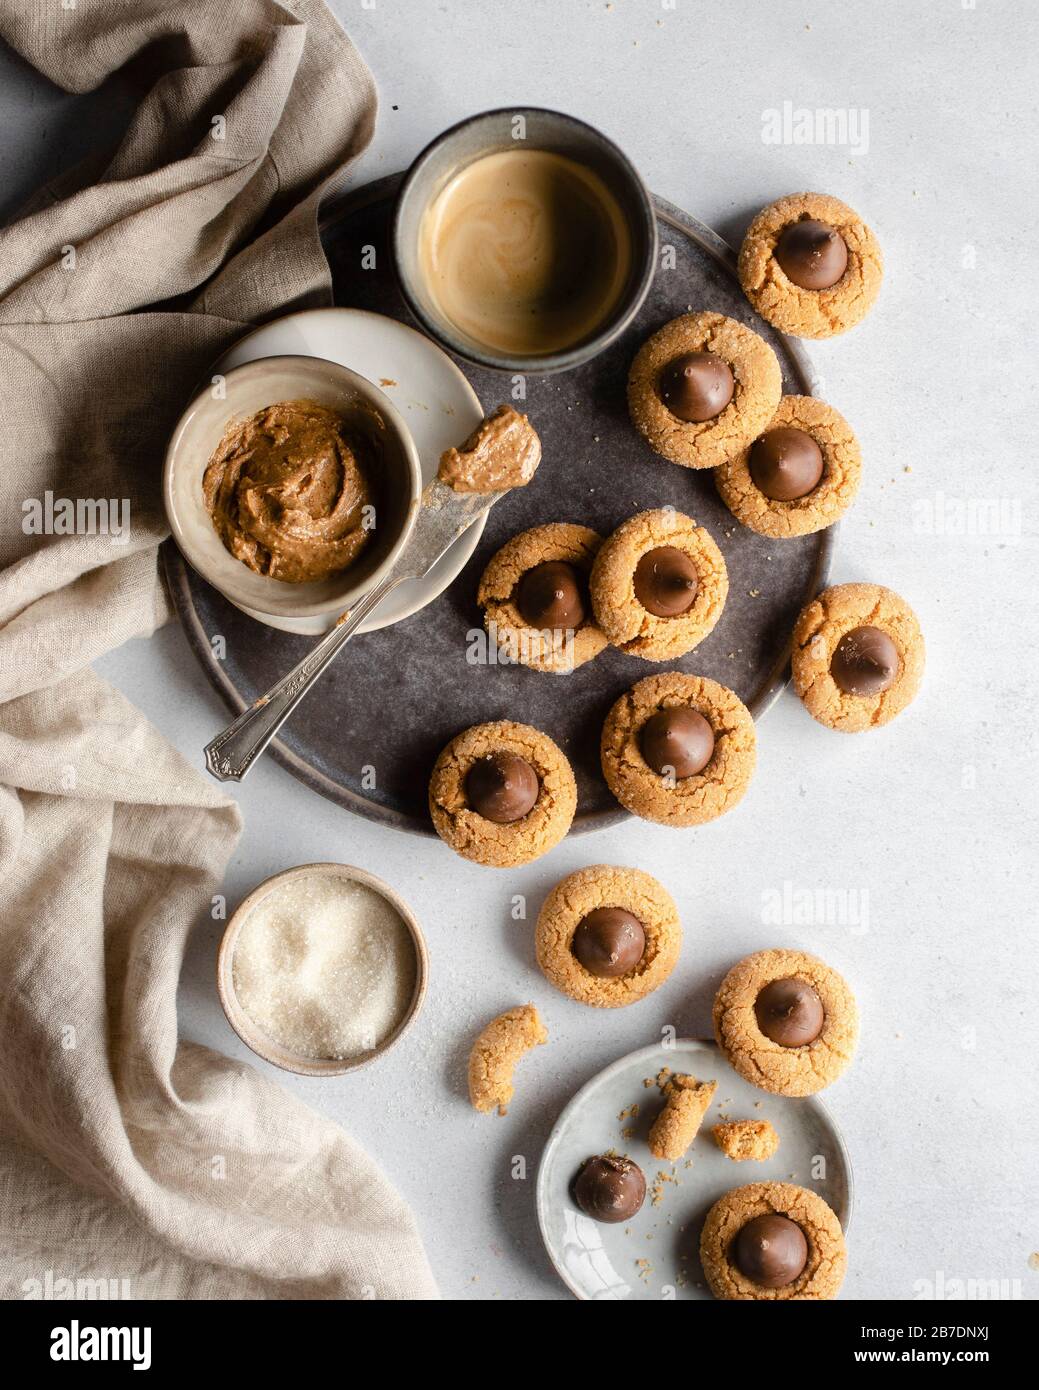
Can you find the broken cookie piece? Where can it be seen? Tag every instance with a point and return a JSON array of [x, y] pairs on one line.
[[501, 453], [685, 1104], [496, 1052], [743, 1139]]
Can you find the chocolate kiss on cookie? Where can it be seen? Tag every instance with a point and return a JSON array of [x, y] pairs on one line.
[[786, 464], [678, 741], [812, 254], [865, 662], [551, 595], [696, 386], [789, 1012], [609, 942], [666, 582], [771, 1250], [501, 787]]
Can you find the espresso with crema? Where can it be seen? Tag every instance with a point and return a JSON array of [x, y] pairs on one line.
[[526, 252]]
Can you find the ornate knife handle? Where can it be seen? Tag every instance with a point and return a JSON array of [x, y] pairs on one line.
[[233, 752]]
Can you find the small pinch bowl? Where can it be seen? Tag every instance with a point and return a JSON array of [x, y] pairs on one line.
[[247, 389], [265, 1046], [489, 133]]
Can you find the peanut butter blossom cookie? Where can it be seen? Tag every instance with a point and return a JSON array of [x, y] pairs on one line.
[[702, 388], [810, 266], [772, 1240], [786, 1022], [502, 794], [535, 601], [799, 476], [658, 585], [858, 656], [608, 936], [678, 749]]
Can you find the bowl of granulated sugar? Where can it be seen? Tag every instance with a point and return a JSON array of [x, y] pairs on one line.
[[322, 969]]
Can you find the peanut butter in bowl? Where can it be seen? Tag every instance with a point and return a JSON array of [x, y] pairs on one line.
[[291, 491]]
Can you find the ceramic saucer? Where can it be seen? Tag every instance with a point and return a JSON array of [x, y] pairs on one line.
[[655, 1255], [439, 407]]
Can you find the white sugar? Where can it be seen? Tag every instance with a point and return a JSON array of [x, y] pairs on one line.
[[324, 966]]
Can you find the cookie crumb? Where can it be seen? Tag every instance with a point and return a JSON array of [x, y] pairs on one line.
[[746, 1139], [659, 1183]]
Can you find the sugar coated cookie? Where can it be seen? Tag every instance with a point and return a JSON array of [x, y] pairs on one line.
[[772, 1240], [658, 585], [535, 601], [502, 794], [810, 266], [800, 475], [786, 1022], [678, 749], [702, 388], [608, 936], [858, 657]]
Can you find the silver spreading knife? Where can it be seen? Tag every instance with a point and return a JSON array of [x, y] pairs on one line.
[[442, 517]]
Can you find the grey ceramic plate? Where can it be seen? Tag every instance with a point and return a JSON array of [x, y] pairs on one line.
[[598, 1261], [398, 695]]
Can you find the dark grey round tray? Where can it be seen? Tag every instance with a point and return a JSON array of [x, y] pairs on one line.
[[397, 696]]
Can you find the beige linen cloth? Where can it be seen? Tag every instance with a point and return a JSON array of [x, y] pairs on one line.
[[125, 1154]]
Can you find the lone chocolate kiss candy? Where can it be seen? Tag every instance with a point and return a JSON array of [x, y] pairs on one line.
[[786, 464], [813, 255], [609, 942], [677, 741], [865, 662], [609, 1189], [790, 1012], [551, 595], [666, 582], [501, 787], [771, 1250], [696, 386]]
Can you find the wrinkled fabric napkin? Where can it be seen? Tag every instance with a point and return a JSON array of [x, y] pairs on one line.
[[133, 1164]]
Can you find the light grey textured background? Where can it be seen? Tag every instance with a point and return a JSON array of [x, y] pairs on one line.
[[929, 825]]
